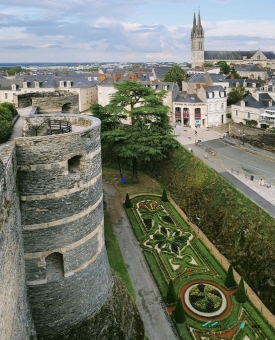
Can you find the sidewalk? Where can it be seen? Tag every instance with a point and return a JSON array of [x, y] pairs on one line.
[[262, 190]]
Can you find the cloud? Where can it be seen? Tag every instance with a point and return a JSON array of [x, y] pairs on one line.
[[18, 47], [109, 29]]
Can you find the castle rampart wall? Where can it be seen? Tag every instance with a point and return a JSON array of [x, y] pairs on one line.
[[48, 102], [68, 274], [15, 318]]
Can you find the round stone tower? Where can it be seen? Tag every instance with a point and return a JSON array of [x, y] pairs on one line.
[[60, 185]]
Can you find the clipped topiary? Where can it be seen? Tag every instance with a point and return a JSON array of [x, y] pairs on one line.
[[128, 203], [229, 280], [240, 294], [179, 313], [171, 296], [164, 197]]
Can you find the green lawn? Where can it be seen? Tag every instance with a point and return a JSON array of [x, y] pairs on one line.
[[114, 255]]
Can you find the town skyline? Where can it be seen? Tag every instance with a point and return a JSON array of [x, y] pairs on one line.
[[147, 30]]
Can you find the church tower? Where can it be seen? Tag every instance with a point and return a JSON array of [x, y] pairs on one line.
[[197, 43]]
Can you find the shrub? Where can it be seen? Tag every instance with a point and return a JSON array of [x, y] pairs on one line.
[[171, 296], [230, 280], [5, 114], [128, 203], [240, 294], [228, 115], [11, 108], [164, 197], [5, 130], [179, 313]]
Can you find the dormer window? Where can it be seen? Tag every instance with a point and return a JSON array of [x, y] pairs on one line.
[[210, 94], [61, 83], [69, 83], [89, 78], [253, 84], [165, 87], [222, 94], [36, 84], [13, 87], [25, 84]]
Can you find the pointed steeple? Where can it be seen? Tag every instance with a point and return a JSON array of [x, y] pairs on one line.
[[199, 20], [194, 21], [199, 28], [194, 26]]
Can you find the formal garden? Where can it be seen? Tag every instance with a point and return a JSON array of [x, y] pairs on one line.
[[203, 300]]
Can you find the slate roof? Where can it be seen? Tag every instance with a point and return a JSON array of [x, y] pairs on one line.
[[196, 78], [234, 55], [5, 84], [187, 98], [247, 67], [262, 103], [160, 71], [214, 88]]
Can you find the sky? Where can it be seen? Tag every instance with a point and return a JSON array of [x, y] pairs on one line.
[[129, 30]]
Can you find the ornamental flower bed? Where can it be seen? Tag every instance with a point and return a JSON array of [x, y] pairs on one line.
[[205, 298]]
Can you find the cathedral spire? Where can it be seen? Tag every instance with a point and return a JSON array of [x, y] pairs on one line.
[[194, 21], [199, 19]]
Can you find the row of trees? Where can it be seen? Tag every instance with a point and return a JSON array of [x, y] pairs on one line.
[[146, 135], [7, 113]]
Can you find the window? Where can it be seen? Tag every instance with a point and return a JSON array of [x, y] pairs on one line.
[[210, 107], [164, 99], [13, 87], [54, 266], [222, 106], [236, 113], [74, 166], [248, 115], [217, 106], [6, 96], [36, 84]]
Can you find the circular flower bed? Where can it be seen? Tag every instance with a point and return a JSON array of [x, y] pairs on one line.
[[205, 298]]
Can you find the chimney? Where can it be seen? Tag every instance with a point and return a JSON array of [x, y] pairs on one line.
[[231, 76], [184, 77], [198, 86]]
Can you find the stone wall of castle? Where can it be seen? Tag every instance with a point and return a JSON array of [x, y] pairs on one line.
[[49, 102], [15, 320], [67, 270]]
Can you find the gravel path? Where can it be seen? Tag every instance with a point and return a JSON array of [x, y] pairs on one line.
[[157, 323]]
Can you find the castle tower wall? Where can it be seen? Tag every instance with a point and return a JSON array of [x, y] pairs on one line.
[[67, 270], [15, 319]]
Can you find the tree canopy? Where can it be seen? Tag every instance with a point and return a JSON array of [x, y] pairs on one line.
[[148, 135], [225, 68], [175, 74], [236, 95]]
